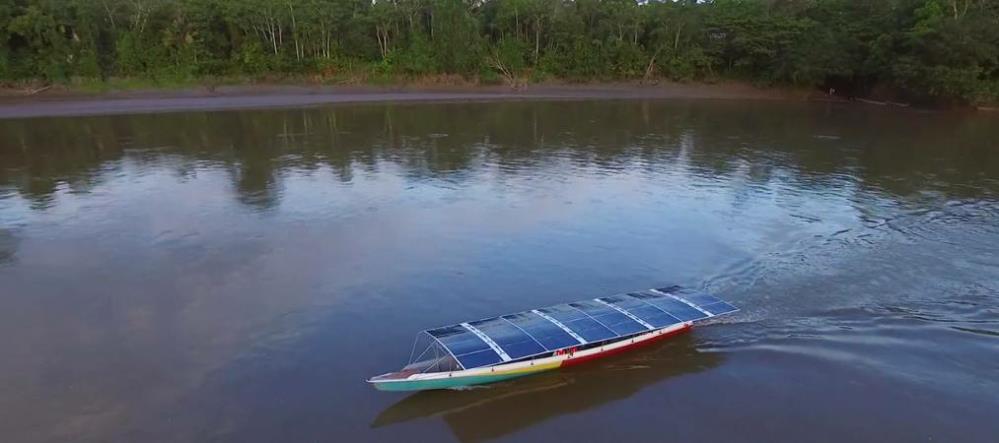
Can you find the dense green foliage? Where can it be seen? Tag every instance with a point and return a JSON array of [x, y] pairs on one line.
[[940, 50]]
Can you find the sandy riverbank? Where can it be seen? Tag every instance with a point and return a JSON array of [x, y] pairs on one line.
[[67, 103]]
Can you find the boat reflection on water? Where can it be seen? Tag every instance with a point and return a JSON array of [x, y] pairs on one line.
[[472, 414]]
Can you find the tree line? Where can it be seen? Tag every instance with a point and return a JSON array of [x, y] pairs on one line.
[[920, 50]]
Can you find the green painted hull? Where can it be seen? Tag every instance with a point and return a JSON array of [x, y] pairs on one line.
[[444, 383]]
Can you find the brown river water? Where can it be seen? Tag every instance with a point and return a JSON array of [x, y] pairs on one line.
[[235, 276]]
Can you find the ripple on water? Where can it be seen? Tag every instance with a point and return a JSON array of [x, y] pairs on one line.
[[943, 349]]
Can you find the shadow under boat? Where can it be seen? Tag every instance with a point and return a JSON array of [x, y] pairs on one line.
[[492, 411]]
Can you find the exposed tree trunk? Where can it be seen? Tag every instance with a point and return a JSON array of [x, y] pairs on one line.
[[516, 21], [294, 33], [511, 79], [272, 35], [537, 40], [110, 14], [382, 35], [325, 42], [37, 90], [650, 69], [676, 39]]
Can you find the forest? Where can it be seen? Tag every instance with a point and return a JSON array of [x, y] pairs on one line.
[[935, 51]]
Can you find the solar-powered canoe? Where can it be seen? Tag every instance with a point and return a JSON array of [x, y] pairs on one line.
[[510, 346]]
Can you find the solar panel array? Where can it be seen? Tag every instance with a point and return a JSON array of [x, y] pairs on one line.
[[525, 334]]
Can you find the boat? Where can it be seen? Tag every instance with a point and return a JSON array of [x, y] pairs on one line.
[[516, 345]]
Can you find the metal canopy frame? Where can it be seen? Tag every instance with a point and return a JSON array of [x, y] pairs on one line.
[[441, 352]]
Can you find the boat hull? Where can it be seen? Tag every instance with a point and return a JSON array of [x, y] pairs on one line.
[[445, 383], [480, 376]]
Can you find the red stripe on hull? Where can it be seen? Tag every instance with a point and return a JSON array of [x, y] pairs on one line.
[[584, 359]]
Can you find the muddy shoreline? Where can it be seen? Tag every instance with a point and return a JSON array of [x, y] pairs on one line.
[[67, 103]]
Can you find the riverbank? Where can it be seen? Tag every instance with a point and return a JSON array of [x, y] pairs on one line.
[[52, 103]]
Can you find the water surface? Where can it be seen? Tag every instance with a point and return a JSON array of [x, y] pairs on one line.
[[234, 276]]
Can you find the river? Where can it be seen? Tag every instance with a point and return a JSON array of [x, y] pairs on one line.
[[236, 275]]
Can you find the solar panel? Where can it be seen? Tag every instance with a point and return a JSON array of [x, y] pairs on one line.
[[590, 330], [545, 332], [700, 298], [645, 311], [513, 340], [719, 308], [580, 323], [459, 340], [527, 334], [614, 320], [479, 359], [470, 350], [671, 306]]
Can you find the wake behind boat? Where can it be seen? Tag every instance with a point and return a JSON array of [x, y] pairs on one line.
[[515, 345]]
